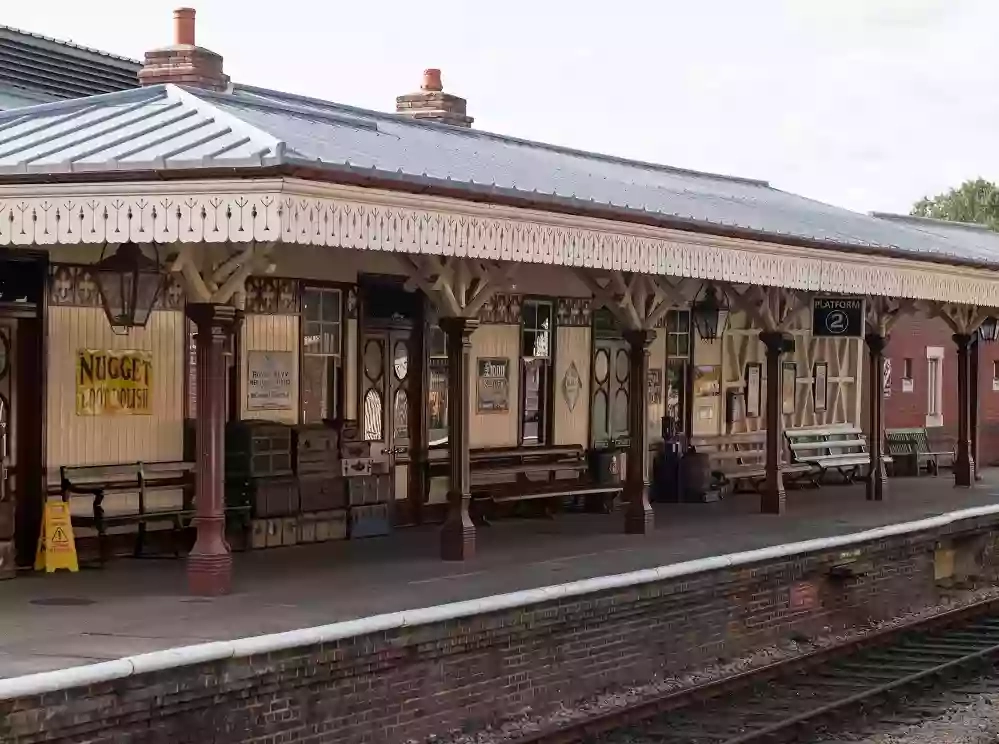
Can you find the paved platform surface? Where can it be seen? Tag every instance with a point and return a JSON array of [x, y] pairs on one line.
[[135, 606]]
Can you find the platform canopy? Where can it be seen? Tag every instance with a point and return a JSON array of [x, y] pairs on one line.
[[171, 164]]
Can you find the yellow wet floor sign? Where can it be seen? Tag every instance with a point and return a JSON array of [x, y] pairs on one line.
[[56, 546]]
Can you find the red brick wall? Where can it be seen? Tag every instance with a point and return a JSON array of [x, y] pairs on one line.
[[909, 338], [408, 683]]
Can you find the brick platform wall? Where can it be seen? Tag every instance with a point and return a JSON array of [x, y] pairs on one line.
[[408, 683]]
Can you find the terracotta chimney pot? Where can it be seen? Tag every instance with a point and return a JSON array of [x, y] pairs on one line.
[[432, 80], [183, 19]]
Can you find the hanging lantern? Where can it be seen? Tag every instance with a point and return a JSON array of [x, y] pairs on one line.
[[129, 282], [989, 329], [709, 312]]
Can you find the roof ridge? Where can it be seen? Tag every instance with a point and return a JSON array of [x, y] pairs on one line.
[[896, 217], [69, 104], [70, 45], [471, 132]]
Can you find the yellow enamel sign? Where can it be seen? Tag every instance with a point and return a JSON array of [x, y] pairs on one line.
[[57, 546], [113, 383]]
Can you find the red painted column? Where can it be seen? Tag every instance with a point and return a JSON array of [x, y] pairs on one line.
[[209, 564], [877, 478], [773, 499], [458, 532], [976, 392], [638, 515], [964, 464]]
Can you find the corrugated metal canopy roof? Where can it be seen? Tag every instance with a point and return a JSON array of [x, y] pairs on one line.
[[171, 127]]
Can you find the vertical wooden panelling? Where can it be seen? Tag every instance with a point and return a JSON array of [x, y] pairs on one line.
[[270, 333], [77, 440], [350, 369], [708, 410], [496, 429], [571, 416]]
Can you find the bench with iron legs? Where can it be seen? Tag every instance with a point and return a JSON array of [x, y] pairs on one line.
[[841, 448], [142, 479], [913, 452], [738, 460], [542, 475]]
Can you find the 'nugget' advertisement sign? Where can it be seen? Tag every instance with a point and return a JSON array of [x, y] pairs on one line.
[[113, 383]]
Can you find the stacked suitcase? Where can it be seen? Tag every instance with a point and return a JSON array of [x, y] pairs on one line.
[[258, 463], [321, 488], [369, 492]]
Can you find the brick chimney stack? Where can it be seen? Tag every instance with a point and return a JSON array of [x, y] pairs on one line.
[[184, 63], [433, 104]]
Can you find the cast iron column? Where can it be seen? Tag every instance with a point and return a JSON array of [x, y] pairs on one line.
[[638, 516], [458, 532], [209, 564], [773, 499], [976, 394], [877, 477], [964, 465]]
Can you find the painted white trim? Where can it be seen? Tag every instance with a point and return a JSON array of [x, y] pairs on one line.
[[934, 358], [43, 682], [295, 211]]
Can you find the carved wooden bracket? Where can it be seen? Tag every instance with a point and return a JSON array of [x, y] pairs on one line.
[[961, 319], [458, 287], [225, 283], [884, 312], [771, 309], [638, 301]]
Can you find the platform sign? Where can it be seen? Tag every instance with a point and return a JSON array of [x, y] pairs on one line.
[[838, 317], [56, 545]]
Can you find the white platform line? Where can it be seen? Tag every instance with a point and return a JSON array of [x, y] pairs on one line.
[[42, 682]]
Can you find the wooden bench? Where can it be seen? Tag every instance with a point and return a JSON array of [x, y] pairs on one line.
[[141, 479], [913, 450], [840, 447], [737, 459], [544, 475]]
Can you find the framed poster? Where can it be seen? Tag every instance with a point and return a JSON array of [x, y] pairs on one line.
[[114, 382], [754, 379], [820, 387], [788, 383], [269, 376], [655, 386], [492, 385]]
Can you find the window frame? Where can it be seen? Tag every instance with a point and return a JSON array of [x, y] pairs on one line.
[[340, 388], [546, 429], [934, 386]]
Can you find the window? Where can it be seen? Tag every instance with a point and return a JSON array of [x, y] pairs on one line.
[[535, 387], [934, 386], [677, 368], [321, 362], [907, 369], [995, 373], [437, 386]]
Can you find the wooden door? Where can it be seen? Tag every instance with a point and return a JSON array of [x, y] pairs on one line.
[[611, 373], [385, 398]]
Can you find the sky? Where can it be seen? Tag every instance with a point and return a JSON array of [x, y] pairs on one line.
[[866, 104]]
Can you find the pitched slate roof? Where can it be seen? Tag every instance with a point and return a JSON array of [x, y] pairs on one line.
[[34, 67], [168, 127]]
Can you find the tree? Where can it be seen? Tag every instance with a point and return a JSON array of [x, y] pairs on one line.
[[973, 201]]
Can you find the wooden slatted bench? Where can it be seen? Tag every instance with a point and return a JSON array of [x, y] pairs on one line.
[[914, 448], [839, 447], [142, 479], [544, 475], [737, 459]]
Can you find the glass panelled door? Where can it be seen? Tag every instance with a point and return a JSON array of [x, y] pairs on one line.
[[8, 435], [385, 376]]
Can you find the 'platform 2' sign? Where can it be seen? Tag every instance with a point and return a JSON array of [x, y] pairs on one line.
[[839, 317]]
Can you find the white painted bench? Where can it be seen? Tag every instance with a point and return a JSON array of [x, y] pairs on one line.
[[742, 458], [839, 447]]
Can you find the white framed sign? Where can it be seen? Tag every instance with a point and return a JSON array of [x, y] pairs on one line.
[[269, 380]]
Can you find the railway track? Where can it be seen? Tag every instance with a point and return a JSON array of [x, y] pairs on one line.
[[799, 699]]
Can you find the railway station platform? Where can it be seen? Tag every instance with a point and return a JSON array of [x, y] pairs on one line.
[[50, 622]]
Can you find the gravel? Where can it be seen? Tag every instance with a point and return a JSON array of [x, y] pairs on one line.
[[976, 722], [529, 721]]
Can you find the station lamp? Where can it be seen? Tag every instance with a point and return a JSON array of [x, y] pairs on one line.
[[710, 312], [989, 329], [129, 282]]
